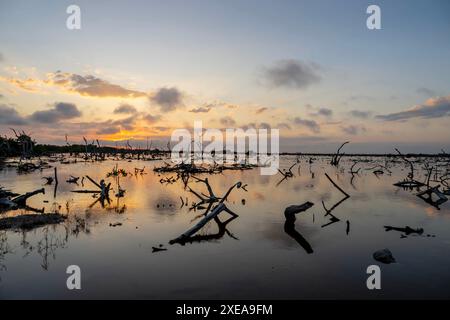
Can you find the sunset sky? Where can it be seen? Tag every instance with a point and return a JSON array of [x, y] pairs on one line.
[[312, 69]]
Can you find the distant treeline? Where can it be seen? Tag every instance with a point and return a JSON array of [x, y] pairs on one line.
[[43, 149], [24, 146]]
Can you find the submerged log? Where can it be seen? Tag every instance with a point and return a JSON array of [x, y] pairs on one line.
[[30, 221], [406, 230]]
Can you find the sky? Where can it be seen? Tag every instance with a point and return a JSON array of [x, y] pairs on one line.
[[137, 70]]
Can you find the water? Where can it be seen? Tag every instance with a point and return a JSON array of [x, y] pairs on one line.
[[253, 258]]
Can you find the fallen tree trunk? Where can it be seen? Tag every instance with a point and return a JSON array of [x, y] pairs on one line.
[[189, 233], [22, 199]]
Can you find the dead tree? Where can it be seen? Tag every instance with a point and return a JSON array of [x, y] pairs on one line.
[[102, 186], [337, 156]]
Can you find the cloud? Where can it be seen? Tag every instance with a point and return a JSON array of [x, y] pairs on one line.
[[292, 74], [2, 58], [284, 125], [432, 108], [151, 119], [261, 110], [360, 114], [26, 84], [310, 124], [90, 85], [200, 110], [125, 109], [114, 126], [264, 125], [60, 111], [109, 130], [325, 112], [168, 99], [426, 92], [361, 97], [9, 116], [227, 121], [353, 130]]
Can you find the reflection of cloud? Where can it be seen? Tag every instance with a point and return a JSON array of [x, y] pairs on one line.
[[432, 108], [292, 74], [168, 99], [261, 110], [310, 124], [10, 116], [125, 108], [60, 111], [360, 114], [90, 85]]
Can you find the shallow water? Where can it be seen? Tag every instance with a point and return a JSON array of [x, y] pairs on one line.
[[253, 258]]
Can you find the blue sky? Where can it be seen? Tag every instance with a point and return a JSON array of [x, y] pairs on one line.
[[220, 50]]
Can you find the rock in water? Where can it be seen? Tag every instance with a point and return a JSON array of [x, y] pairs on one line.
[[384, 256]]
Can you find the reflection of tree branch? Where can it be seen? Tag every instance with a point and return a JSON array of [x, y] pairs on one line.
[[333, 218]]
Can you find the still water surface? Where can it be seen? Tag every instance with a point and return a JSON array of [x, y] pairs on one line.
[[250, 257]]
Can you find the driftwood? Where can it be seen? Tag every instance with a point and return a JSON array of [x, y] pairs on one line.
[[289, 225], [30, 221], [427, 196], [208, 215], [406, 230], [19, 201], [48, 180], [4, 193], [73, 179], [287, 173], [190, 232], [409, 184]]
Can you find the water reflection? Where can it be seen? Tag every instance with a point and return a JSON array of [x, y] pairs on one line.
[[158, 207]]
